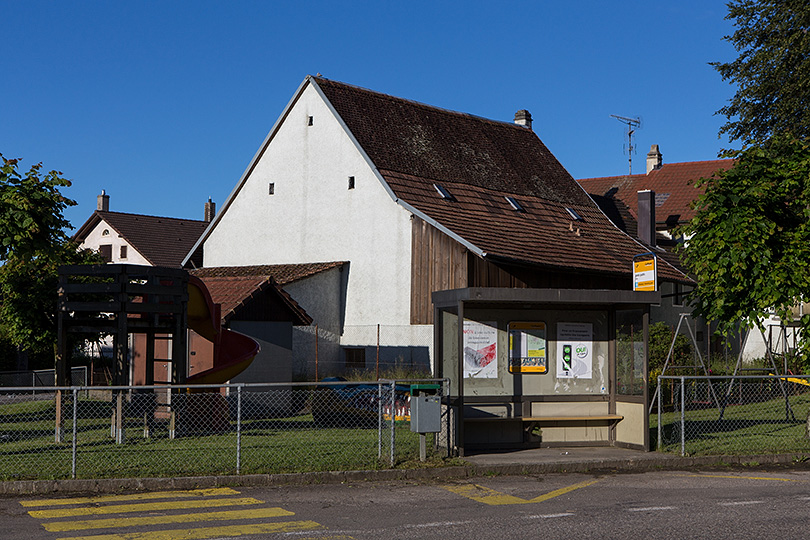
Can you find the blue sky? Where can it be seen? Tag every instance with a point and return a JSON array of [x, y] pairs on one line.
[[163, 104]]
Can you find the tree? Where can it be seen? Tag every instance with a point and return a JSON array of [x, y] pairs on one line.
[[772, 71], [33, 244], [749, 242]]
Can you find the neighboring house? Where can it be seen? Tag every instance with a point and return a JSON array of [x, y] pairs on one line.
[[416, 199], [253, 304], [673, 186]]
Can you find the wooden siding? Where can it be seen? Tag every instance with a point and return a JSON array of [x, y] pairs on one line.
[[437, 263]]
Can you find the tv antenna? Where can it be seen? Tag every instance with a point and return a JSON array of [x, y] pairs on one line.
[[632, 125]]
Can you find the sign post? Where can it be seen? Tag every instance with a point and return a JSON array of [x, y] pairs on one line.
[[645, 272]]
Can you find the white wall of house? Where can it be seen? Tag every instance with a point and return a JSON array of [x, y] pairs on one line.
[[103, 234], [314, 217]]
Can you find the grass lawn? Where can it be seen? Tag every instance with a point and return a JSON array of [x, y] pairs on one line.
[[760, 427]]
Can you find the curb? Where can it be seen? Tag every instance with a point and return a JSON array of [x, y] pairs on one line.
[[113, 485]]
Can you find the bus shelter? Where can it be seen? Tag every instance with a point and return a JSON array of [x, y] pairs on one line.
[[543, 367]]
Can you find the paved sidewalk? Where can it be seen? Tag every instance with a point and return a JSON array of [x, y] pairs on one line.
[[533, 461]]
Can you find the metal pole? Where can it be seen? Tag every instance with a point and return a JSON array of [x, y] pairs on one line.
[[378, 351], [683, 406], [75, 433], [379, 420], [238, 429], [393, 417], [660, 430], [316, 353]]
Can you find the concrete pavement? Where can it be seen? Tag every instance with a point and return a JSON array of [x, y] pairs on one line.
[[531, 461]]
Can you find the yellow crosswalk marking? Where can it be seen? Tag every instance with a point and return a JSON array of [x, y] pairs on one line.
[[209, 532], [214, 492], [140, 507], [495, 498], [109, 523]]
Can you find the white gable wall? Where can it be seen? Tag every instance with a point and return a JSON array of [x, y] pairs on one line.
[[96, 238], [314, 217]]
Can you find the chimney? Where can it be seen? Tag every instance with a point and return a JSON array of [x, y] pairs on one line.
[[523, 118], [646, 217], [103, 202], [210, 210], [654, 159]]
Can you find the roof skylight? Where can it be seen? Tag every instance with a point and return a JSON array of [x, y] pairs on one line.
[[574, 215], [514, 204], [444, 193]]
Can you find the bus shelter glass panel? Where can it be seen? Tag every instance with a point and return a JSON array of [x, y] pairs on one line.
[[630, 352]]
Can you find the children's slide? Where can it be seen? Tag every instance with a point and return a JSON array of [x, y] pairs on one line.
[[233, 352]]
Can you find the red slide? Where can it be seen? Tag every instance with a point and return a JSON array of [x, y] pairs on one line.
[[233, 352]]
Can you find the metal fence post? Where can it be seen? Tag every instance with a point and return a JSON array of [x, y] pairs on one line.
[[393, 417], [683, 407], [660, 429], [238, 429], [379, 420], [75, 433]]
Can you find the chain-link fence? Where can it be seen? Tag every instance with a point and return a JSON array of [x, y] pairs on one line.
[[98, 432], [732, 415], [42, 377]]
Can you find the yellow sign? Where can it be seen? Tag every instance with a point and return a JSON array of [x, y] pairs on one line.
[[644, 278], [527, 347]]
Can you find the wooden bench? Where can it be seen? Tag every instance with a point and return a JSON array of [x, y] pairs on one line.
[[532, 421]]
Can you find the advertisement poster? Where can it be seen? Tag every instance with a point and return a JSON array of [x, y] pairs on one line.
[[480, 349], [527, 347], [574, 350]]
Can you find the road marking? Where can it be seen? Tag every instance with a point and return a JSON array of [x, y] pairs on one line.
[[740, 477], [111, 523], [651, 509], [740, 503], [435, 524], [135, 497], [495, 498], [209, 532], [549, 516], [140, 507]]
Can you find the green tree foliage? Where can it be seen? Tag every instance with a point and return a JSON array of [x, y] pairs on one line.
[[772, 71], [33, 244], [750, 238]]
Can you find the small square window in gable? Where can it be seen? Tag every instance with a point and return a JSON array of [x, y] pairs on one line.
[[271, 188], [123, 252], [351, 182]]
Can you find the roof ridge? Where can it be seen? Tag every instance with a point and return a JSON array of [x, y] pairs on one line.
[[109, 212], [413, 102]]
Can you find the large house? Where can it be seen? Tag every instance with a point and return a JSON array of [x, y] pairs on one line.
[[411, 199]]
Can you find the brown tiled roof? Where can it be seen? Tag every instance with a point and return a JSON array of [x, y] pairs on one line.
[[163, 241], [450, 147], [673, 184], [282, 274], [233, 292], [544, 235]]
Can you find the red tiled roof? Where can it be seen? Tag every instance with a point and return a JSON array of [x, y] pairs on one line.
[[163, 241], [282, 274], [544, 235], [673, 184], [234, 292]]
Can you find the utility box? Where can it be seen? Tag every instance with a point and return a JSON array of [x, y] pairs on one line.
[[426, 410]]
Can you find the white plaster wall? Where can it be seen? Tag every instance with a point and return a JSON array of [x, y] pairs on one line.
[[96, 238], [313, 217]]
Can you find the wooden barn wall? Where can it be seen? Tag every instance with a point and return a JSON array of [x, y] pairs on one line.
[[483, 273], [437, 263]]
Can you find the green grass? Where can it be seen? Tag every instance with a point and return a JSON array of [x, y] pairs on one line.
[[760, 427], [287, 445]]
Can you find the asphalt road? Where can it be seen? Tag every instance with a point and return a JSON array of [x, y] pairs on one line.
[[717, 504]]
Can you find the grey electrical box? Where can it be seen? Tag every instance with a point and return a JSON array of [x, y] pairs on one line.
[[426, 414]]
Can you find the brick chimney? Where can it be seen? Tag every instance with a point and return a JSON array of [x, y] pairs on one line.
[[646, 217], [523, 118], [654, 159], [210, 210], [103, 202]]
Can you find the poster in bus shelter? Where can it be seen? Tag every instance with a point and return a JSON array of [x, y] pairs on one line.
[[527, 347], [574, 350], [480, 349]]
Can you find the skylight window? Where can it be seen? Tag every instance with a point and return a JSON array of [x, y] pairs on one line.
[[444, 193], [514, 204], [573, 214]]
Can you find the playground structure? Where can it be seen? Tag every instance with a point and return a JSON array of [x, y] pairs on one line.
[[161, 303]]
